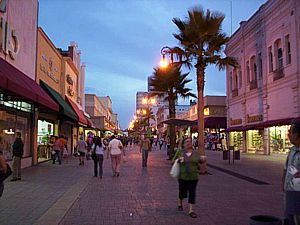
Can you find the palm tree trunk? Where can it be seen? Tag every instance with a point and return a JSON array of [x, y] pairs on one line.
[[200, 109], [172, 134]]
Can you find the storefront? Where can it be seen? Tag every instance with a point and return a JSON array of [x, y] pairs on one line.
[[254, 140], [15, 117], [19, 97], [279, 141]]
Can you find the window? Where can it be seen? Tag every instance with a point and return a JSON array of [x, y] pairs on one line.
[[279, 55], [240, 79], [235, 77], [280, 58], [270, 59], [248, 72], [288, 49], [260, 74], [253, 69]]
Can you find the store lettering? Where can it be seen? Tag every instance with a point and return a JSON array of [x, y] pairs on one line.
[[9, 41], [255, 118], [48, 73], [236, 121]]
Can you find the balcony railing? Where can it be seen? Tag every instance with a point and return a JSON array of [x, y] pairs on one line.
[[235, 92], [253, 84], [278, 74]]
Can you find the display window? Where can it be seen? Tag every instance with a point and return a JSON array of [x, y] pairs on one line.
[[279, 141], [10, 123], [255, 141], [45, 132], [236, 139]]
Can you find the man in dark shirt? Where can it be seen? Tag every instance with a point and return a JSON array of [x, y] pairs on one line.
[[17, 156]]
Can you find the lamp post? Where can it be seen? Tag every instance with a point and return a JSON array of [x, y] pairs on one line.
[[171, 53]]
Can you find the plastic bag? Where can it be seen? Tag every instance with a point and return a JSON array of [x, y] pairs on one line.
[[175, 170]]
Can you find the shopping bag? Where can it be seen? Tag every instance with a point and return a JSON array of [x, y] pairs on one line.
[[175, 170]]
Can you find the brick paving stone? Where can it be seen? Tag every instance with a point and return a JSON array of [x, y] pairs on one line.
[[68, 194]]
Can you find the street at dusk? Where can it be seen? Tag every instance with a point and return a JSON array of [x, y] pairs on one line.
[[150, 112]]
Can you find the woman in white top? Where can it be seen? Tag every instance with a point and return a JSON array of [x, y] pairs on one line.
[[97, 154], [115, 149]]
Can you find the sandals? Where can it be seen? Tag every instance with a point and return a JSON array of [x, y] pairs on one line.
[[193, 215]]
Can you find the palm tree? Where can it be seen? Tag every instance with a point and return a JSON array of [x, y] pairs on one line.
[[202, 42], [170, 82]]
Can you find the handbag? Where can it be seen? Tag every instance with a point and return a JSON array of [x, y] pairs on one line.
[[175, 170]]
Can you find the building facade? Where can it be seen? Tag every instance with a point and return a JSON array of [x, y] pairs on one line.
[[20, 95], [263, 92]]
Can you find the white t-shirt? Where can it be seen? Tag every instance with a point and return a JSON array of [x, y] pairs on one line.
[[81, 146], [114, 146], [99, 150]]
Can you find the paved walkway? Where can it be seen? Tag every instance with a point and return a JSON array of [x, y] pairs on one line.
[[68, 194]]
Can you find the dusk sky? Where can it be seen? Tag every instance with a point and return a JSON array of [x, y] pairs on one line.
[[120, 41]]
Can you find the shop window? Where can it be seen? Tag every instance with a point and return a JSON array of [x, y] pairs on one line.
[[9, 125], [279, 141], [288, 49], [230, 81], [270, 55], [255, 141], [236, 140]]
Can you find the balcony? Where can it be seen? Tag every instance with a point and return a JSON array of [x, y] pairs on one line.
[[253, 84], [278, 74], [235, 93]]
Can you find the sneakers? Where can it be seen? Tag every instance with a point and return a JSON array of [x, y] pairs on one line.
[[193, 215], [14, 179]]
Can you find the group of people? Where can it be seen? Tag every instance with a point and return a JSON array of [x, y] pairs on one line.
[[112, 146]]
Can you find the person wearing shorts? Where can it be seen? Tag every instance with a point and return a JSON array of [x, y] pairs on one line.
[[81, 149]]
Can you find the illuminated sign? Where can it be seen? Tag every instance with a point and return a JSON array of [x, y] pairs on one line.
[[236, 121], [255, 118]]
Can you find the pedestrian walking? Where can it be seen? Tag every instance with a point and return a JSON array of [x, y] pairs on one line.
[[81, 150], [291, 186], [188, 177], [115, 149], [17, 156], [145, 147], [58, 147], [161, 142], [97, 156]]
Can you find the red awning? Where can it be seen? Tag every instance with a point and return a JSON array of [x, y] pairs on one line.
[[16, 82], [81, 117]]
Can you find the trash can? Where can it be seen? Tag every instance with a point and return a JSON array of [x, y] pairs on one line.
[[265, 220], [225, 155], [237, 155]]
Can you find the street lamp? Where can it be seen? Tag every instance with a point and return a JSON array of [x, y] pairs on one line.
[[148, 101]]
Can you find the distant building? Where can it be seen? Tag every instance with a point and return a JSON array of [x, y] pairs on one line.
[[264, 92]]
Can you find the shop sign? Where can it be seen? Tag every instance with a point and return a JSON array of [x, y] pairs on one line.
[[49, 72], [70, 83], [236, 121], [9, 41], [255, 118]]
